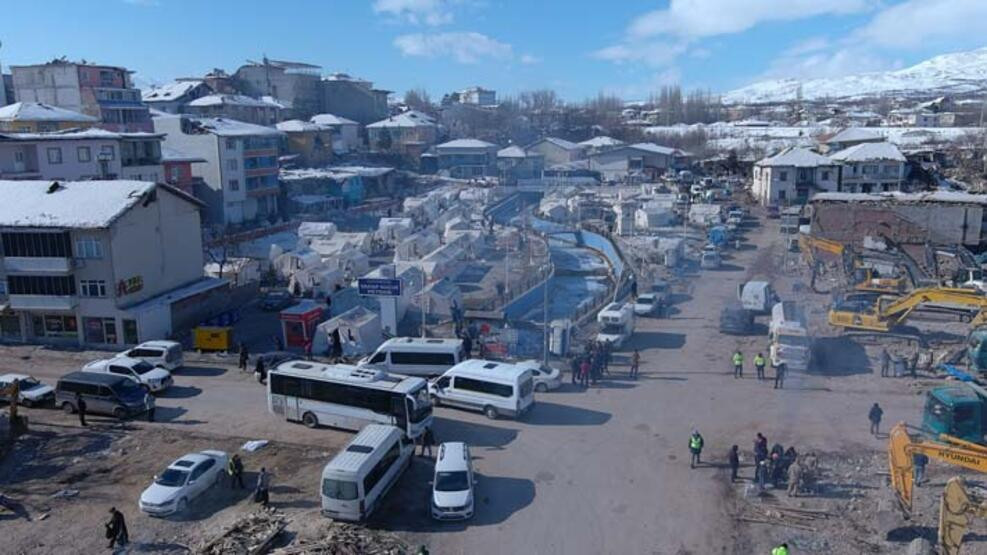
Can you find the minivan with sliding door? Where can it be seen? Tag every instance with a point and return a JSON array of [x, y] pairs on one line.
[[493, 388], [357, 478], [108, 394], [416, 356]]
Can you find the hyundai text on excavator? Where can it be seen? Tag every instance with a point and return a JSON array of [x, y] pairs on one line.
[[957, 507], [881, 313]]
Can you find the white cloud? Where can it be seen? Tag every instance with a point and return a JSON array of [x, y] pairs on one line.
[[650, 53], [463, 47], [822, 63], [913, 23], [705, 18], [529, 59], [417, 12]]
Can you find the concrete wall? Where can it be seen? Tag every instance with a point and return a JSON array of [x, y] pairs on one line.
[[913, 223], [353, 100], [56, 84]]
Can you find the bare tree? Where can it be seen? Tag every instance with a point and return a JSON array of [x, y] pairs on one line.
[[419, 99]]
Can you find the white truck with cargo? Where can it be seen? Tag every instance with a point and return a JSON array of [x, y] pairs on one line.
[[616, 323], [791, 344], [757, 296]]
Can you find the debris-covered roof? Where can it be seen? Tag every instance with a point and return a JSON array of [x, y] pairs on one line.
[[855, 134], [331, 119], [865, 152], [798, 157], [411, 118], [39, 111], [232, 100], [170, 91], [225, 127], [68, 204], [298, 126]]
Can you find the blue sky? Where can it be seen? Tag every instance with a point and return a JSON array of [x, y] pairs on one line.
[[577, 47]]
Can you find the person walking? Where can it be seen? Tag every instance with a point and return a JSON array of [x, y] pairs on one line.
[[734, 462], [875, 414], [635, 364], [574, 365], [262, 491], [467, 345], [759, 365], [328, 313], [235, 469], [428, 440], [244, 356], [116, 529], [80, 407], [760, 448], [885, 363], [738, 365], [584, 373], [919, 460], [695, 448], [780, 550], [260, 371], [780, 372]]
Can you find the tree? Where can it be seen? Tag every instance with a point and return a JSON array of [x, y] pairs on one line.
[[419, 99]]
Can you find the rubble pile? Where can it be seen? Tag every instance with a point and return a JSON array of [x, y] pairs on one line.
[[347, 539], [250, 535]]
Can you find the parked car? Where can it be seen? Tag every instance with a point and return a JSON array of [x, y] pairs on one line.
[[109, 394], [183, 480], [32, 393], [276, 299], [647, 304], [736, 320], [710, 260], [150, 377], [546, 378], [773, 212], [163, 354], [452, 485]]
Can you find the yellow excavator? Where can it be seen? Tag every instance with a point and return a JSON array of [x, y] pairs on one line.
[[957, 507], [881, 313], [859, 276]]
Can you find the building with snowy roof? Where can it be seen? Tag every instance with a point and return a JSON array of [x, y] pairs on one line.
[[600, 143], [37, 117], [792, 176], [467, 158], [515, 163], [556, 151], [345, 132], [78, 268], [409, 133], [852, 136], [240, 175], [172, 97], [237, 107], [637, 163], [309, 142], [870, 168]]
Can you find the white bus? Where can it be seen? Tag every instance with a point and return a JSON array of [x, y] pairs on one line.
[[358, 477], [348, 397], [416, 356]]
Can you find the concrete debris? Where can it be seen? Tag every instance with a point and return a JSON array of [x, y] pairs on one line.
[[251, 534], [920, 546], [347, 539], [254, 445]]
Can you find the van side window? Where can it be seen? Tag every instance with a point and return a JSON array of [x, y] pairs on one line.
[[480, 386], [443, 382], [378, 358], [69, 387], [427, 359], [122, 370], [173, 354], [377, 472], [104, 391]]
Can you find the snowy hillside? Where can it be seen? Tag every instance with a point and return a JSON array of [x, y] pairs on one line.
[[950, 73]]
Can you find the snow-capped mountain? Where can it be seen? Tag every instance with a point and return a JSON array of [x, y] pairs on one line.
[[960, 72]]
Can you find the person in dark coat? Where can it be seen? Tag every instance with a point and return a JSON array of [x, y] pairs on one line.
[[428, 441], [760, 448], [734, 462], [262, 491], [874, 416], [80, 407], [116, 529], [780, 372], [467, 345], [328, 313], [260, 370], [244, 355], [885, 363], [574, 367]]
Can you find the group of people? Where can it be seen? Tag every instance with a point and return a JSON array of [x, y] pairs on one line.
[[759, 363], [776, 465], [590, 367]]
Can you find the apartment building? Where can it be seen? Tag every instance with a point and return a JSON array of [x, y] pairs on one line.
[[36, 117], [99, 262], [870, 168], [104, 92], [63, 156], [793, 176], [240, 173]]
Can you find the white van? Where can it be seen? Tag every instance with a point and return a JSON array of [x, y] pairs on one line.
[[163, 354], [495, 388], [616, 323], [358, 477], [416, 356]]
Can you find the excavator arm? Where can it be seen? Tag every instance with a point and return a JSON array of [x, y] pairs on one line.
[[896, 310], [956, 509], [901, 448]]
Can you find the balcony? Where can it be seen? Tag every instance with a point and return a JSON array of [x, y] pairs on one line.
[[37, 265], [43, 302]]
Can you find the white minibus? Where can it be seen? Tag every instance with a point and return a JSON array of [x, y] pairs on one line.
[[416, 356], [495, 388], [357, 478]]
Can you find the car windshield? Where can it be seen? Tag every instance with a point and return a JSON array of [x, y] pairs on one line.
[[341, 490], [452, 481], [645, 300], [143, 368], [612, 329], [128, 389], [794, 340], [419, 405], [29, 383], [172, 478]]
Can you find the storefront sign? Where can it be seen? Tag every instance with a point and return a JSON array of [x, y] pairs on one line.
[[129, 286]]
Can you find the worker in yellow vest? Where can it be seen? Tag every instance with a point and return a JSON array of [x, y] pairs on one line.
[[780, 550], [738, 365], [759, 365], [695, 448]]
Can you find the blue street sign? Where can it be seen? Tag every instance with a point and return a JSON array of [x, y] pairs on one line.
[[378, 287]]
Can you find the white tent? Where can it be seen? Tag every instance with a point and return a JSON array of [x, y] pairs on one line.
[[359, 332]]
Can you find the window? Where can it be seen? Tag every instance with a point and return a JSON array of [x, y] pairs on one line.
[[378, 358], [230, 144], [54, 245], [130, 331], [92, 288], [41, 285], [84, 153], [234, 184], [3, 287], [54, 325], [175, 174], [89, 248], [431, 359], [54, 155], [782, 176], [202, 468], [232, 164], [825, 176], [340, 489], [380, 469], [107, 152], [480, 386]]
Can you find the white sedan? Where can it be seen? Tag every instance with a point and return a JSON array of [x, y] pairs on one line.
[[183, 480], [545, 377], [32, 392]]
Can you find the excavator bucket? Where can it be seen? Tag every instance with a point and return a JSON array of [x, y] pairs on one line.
[[900, 465], [954, 516]]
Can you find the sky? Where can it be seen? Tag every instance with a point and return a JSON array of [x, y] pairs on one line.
[[579, 48]]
